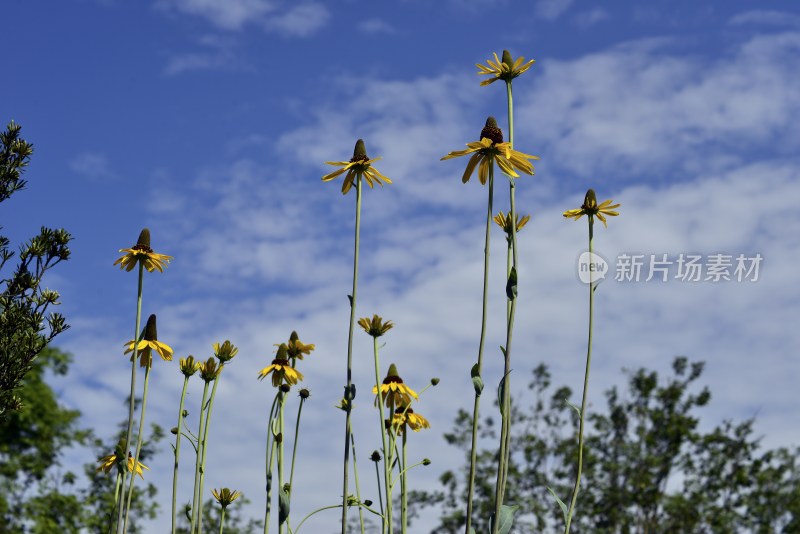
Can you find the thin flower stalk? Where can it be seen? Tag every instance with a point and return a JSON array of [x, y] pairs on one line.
[[270, 457], [138, 444], [178, 454], [279, 439], [358, 489], [195, 526], [387, 523], [404, 490], [590, 208], [131, 403], [478, 366], [574, 499], [349, 387], [204, 441]]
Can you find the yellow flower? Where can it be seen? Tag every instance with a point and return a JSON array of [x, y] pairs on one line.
[[108, 462], [359, 165], [296, 348], [189, 366], [406, 417], [590, 208], [226, 351], [225, 496], [504, 221], [209, 370], [489, 149], [280, 369], [142, 253], [148, 344], [393, 390], [506, 70], [375, 326]]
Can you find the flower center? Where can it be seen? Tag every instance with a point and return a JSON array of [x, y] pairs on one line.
[[390, 379], [280, 361], [142, 248]]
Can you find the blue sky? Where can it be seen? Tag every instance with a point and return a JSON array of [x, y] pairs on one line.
[[208, 121]]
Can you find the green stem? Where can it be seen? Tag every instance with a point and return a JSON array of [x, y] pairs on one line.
[[294, 447], [358, 490], [177, 454], [348, 389], [475, 409], [205, 439], [281, 399], [380, 495], [132, 401], [577, 486], [383, 430], [198, 456], [221, 520], [268, 461], [138, 447], [511, 304], [318, 510], [404, 489]]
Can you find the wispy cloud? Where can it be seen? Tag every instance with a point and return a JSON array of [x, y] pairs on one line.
[[591, 17], [375, 25], [93, 166], [216, 53], [271, 15], [767, 18], [552, 9]]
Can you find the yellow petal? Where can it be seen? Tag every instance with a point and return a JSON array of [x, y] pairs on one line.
[[334, 174], [471, 167]]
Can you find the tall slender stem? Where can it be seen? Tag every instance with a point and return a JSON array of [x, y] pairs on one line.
[[577, 486], [268, 462], [177, 454], [282, 434], [205, 439], [294, 447], [132, 402], [348, 389], [358, 489], [511, 304], [388, 512], [404, 489], [138, 446], [197, 464], [476, 406]]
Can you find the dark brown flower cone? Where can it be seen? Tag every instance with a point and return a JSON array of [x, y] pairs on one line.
[[150, 332], [360, 151], [491, 131], [507, 59]]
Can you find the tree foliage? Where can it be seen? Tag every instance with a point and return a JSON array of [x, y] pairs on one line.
[[647, 465], [25, 326]]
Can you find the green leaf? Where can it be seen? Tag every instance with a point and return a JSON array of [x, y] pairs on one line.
[[471, 530], [574, 407], [283, 505], [511, 285], [501, 390], [477, 382], [506, 519], [560, 503]]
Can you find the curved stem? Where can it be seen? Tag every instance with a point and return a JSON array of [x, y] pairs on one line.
[[358, 489], [203, 458], [268, 462], [382, 418], [577, 486], [294, 447], [198, 456], [132, 402], [348, 389], [475, 409], [177, 454]]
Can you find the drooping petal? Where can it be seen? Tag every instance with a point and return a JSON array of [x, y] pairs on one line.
[[473, 161]]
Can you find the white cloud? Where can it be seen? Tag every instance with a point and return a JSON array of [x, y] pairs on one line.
[[589, 18], [93, 166], [552, 9], [375, 26], [301, 20], [217, 53], [272, 15], [636, 108], [766, 17]]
